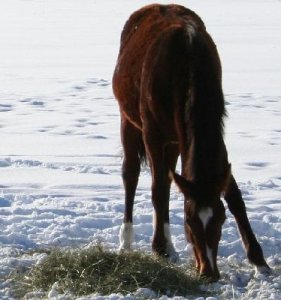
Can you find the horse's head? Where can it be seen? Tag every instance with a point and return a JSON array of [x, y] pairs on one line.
[[204, 217]]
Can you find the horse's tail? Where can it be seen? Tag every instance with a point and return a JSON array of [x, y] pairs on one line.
[[166, 74], [142, 154], [206, 78], [181, 82], [204, 107]]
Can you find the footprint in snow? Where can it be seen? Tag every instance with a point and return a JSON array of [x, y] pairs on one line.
[[5, 163], [37, 103], [79, 87], [5, 107], [246, 96], [94, 81], [32, 101], [257, 164], [99, 82], [268, 185], [4, 202], [98, 137]]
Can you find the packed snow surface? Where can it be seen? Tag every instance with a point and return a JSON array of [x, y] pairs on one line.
[[60, 153]]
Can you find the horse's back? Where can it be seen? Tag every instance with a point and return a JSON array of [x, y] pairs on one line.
[[152, 19], [147, 24], [142, 30]]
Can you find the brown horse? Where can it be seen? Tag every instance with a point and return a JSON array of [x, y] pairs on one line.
[[168, 85]]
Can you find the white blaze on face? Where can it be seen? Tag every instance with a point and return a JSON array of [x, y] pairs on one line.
[[205, 214]]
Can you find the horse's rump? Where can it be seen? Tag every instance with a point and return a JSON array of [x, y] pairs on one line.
[[146, 38]]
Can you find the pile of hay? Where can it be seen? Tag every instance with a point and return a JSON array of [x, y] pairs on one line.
[[96, 270]]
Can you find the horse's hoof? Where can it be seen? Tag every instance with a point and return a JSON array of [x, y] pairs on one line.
[[125, 248], [209, 278], [264, 270], [169, 255], [173, 257]]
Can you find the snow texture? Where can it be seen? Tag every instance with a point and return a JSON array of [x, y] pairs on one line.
[[60, 157]]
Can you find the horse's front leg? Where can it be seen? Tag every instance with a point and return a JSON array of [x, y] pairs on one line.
[[161, 243], [162, 158], [131, 138], [237, 207]]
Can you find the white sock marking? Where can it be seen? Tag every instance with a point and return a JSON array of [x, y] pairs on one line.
[[126, 236], [262, 270], [167, 233], [205, 214], [174, 257], [210, 256]]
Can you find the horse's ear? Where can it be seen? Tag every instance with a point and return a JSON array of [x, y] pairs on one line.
[[184, 185]]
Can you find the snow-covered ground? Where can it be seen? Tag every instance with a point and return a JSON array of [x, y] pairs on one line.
[[60, 155]]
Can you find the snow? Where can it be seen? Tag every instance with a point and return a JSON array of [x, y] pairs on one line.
[[60, 152]]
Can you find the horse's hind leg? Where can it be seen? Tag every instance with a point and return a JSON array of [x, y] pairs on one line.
[[237, 207], [133, 147]]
